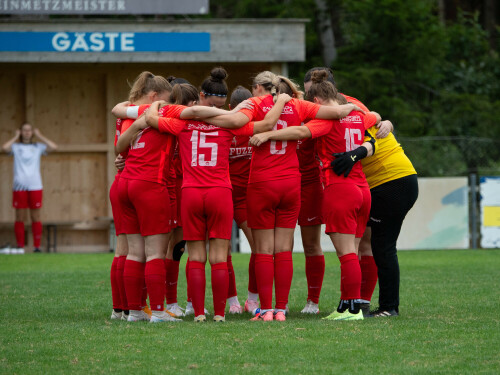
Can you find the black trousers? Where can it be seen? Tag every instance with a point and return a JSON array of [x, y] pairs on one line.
[[391, 202]]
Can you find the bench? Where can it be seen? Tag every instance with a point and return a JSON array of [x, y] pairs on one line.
[[99, 223]]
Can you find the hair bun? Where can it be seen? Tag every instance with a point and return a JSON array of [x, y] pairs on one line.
[[319, 76], [218, 74]]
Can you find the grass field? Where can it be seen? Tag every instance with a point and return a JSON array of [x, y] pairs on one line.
[[55, 319]]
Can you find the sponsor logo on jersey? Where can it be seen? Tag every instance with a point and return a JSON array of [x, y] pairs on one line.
[[351, 119], [205, 127], [287, 110]]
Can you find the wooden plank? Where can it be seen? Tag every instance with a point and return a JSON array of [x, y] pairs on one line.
[[92, 147], [12, 113]]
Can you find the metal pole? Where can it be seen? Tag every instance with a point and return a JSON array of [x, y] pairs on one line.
[[473, 210]]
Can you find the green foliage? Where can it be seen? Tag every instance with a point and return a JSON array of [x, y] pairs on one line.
[[55, 320]]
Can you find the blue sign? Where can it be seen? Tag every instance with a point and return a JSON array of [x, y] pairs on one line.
[[108, 41]]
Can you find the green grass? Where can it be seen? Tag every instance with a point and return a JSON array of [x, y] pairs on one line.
[[54, 318]]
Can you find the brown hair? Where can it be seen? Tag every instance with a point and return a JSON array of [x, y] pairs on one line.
[[215, 85], [239, 94], [145, 83], [173, 80], [20, 139], [321, 87], [287, 86], [268, 80], [183, 93]]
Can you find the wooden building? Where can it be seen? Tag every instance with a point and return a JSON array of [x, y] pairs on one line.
[[64, 77]]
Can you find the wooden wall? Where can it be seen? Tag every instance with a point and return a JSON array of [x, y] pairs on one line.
[[70, 104]]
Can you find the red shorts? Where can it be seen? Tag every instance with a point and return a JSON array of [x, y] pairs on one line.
[[346, 209], [145, 207], [27, 199], [178, 194], [116, 207], [272, 204], [240, 204], [311, 204], [207, 210], [172, 193]]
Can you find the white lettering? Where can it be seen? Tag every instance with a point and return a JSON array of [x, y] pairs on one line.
[[46, 4], [111, 37], [111, 5], [102, 3], [67, 5], [14, 5], [80, 42], [96, 41], [78, 5], [127, 44], [120, 5], [55, 5], [60, 42], [86, 5], [93, 5], [25, 5]]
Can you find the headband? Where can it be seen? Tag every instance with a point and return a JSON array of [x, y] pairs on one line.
[[208, 94]]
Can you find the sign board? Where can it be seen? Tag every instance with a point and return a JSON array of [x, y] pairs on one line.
[[92, 7], [32, 41], [490, 212]]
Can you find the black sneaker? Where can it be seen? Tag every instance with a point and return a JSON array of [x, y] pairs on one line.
[[37, 250], [381, 313]]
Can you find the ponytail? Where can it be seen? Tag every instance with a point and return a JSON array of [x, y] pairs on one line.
[[145, 83]]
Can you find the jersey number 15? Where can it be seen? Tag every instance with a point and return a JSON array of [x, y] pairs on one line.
[[199, 159]]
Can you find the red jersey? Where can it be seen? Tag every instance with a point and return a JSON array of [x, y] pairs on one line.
[[122, 125], [149, 156], [203, 148], [240, 156], [275, 160], [309, 165], [342, 135]]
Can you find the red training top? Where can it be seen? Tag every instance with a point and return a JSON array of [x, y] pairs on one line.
[[342, 135], [149, 156], [203, 148], [275, 160]]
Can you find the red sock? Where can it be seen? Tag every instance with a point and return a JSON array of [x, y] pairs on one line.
[[315, 272], [187, 281], [133, 278], [252, 280], [368, 277], [172, 270], [283, 272], [155, 280], [121, 285], [19, 231], [264, 272], [231, 291], [220, 282], [350, 276], [115, 289], [144, 297], [197, 284], [36, 228]]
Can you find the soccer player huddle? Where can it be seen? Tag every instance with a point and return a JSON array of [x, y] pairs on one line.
[[187, 168]]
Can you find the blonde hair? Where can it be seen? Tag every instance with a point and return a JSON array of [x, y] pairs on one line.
[[287, 86], [145, 83], [268, 80]]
